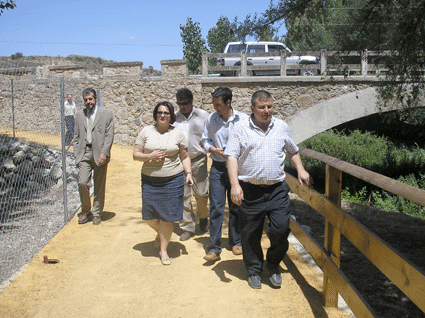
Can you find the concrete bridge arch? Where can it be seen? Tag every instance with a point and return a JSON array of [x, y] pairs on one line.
[[333, 112]]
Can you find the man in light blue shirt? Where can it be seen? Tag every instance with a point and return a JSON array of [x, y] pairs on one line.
[[256, 153], [214, 139]]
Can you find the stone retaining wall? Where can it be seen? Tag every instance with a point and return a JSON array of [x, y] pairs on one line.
[[132, 97]]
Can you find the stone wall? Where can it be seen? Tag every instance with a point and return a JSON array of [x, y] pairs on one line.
[[132, 98], [68, 71], [123, 69]]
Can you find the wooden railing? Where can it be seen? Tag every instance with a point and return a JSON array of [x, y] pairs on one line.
[[363, 68], [399, 270]]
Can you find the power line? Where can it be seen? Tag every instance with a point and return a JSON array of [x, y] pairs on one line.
[[93, 43]]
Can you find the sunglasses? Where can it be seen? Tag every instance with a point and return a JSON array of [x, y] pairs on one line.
[[183, 103]]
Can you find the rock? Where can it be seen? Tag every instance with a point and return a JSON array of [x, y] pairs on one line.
[[33, 185], [19, 156], [36, 160], [9, 165], [49, 160], [55, 172], [25, 168], [8, 176], [17, 180]]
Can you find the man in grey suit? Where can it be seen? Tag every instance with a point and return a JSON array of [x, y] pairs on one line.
[[93, 138]]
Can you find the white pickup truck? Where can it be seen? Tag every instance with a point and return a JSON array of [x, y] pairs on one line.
[[263, 46]]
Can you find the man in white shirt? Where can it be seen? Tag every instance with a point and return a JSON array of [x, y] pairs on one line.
[[191, 121], [70, 111], [256, 152]]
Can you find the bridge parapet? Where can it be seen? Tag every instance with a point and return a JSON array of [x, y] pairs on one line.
[[331, 63]]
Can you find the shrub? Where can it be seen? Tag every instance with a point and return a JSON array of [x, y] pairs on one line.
[[392, 203], [374, 153]]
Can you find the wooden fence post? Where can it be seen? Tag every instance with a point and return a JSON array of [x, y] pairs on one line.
[[332, 235]]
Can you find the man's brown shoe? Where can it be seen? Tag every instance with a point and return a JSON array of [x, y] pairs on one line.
[[237, 250], [83, 218], [96, 220], [211, 257]]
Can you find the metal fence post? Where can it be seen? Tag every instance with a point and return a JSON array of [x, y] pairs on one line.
[[13, 109], [63, 133]]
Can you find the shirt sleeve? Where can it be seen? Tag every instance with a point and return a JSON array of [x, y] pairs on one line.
[[181, 139], [141, 138], [205, 140], [233, 146], [290, 145]]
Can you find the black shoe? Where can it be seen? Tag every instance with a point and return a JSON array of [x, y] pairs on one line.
[[254, 281], [203, 225], [275, 277], [185, 236], [83, 217]]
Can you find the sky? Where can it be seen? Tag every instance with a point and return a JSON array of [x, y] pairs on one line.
[[123, 31]]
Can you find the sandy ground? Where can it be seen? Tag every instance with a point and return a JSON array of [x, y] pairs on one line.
[[113, 270]]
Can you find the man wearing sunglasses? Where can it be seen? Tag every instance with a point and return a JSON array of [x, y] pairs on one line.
[[191, 121]]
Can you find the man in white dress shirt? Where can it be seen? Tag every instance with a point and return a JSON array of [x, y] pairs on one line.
[[256, 152], [191, 121], [70, 111]]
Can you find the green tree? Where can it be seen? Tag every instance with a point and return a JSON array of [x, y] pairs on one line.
[[9, 4], [268, 34], [193, 45], [395, 25], [17, 55], [220, 35], [315, 28]]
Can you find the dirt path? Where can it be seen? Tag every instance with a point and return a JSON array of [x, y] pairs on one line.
[[113, 270]]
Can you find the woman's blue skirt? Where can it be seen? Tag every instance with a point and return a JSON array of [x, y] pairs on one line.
[[162, 198]]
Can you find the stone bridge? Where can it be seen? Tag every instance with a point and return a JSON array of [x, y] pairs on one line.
[[310, 105]]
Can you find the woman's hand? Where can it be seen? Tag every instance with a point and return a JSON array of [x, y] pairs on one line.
[[157, 155]]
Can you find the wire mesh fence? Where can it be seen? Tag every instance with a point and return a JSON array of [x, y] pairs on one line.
[[38, 176]]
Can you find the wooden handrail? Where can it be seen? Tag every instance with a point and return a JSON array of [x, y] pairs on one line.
[[405, 275], [395, 187]]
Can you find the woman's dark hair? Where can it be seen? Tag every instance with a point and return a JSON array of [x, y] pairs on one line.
[[170, 109]]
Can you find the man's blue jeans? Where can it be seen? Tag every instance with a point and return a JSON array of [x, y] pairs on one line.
[[219, 189]]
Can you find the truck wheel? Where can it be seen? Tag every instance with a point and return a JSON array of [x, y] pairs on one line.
[[308, 72], [248, 73]]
